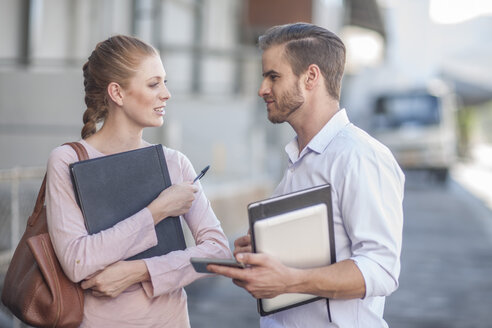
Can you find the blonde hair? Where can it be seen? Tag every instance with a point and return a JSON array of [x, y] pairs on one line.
[[113, 60]]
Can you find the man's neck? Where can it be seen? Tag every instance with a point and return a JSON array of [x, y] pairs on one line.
[[310, 120]]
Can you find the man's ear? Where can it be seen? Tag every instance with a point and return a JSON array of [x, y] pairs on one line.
[[115, 93], [312, 76]]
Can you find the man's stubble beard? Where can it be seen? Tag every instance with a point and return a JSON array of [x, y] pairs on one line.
[[290, 102]]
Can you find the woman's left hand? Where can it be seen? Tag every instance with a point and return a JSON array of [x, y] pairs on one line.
[[116, 278]]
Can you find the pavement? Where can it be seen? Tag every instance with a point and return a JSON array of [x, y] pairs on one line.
[[475, 174], [445, 279]]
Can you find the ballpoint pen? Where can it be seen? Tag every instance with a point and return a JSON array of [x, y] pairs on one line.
[[202, 173]]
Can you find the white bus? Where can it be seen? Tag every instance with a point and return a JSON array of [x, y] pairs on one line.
[[419, 127]]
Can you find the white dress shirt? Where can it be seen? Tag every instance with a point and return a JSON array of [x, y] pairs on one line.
[[367, 195]]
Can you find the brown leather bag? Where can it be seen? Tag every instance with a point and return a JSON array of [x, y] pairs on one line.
[[36, 289]]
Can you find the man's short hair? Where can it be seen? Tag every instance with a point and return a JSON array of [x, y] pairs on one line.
[[307, 44]]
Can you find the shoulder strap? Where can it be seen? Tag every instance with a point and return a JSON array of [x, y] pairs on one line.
[[81, 154], [79, 149]]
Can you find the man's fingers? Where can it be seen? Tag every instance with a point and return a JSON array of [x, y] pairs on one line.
[[252, 258], [242, 245], [246, 249], [243, 241], [239, 283], [227, 271]]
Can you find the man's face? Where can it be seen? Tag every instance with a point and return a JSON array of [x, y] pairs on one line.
[[280, 87]]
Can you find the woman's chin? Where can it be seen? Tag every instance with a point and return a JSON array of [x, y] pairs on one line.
[[156, 123]]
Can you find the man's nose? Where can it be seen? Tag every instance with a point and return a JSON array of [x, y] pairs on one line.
[[264, 89]]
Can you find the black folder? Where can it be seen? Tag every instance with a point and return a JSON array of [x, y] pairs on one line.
[[114, 187], [282, 220]]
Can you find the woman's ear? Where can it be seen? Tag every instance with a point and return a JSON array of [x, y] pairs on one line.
[[312, 76], [115, 93]]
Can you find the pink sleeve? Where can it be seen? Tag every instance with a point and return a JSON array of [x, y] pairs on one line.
[[81, 254], [173, 270]]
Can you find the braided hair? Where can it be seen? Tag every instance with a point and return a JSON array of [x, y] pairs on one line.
[[113, 60]]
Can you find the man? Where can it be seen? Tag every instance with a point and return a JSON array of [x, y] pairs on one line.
[[302, 72]]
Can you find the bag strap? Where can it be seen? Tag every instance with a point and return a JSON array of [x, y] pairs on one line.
[[81, 154]]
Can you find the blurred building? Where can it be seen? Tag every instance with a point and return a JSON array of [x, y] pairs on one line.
[[45, 43], [209, 52]]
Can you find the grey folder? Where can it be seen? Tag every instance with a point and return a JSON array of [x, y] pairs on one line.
[[297, 229], [112, 188]]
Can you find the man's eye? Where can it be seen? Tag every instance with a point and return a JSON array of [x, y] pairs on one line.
[[273, 77]]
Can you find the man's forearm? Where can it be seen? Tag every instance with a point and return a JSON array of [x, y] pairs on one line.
[[342, 280]]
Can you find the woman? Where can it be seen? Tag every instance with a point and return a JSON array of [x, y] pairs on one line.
[[125, 88]]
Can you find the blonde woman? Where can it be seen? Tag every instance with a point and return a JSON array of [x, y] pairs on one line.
[[125, 89]]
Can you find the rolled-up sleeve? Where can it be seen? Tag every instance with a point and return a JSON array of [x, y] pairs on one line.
[[373, 219]]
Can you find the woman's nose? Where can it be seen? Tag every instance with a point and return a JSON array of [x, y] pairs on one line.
[[165, 94]]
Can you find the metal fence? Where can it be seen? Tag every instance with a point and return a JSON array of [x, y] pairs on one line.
[[18, 191]]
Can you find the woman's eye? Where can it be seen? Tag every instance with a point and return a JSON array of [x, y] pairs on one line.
[[156, 84]]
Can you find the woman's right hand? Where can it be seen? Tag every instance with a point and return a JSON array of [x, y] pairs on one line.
[[173, 201]]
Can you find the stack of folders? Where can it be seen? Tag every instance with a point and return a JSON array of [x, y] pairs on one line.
[[297, 229], [112, 188]]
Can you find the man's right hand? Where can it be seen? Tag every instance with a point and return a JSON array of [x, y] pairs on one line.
[[243, 245], [173, 201]]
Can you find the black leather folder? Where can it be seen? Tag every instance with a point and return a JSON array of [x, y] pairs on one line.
[[297, 229], [112, 188]]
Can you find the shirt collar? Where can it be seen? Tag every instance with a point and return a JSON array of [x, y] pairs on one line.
[[321, 140]]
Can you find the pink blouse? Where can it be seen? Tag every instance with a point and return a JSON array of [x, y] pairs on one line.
[[160, 302]]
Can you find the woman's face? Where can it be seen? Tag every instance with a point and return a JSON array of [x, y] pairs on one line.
[[144, 99]]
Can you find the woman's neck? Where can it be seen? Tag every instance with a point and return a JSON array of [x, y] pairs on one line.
[[111, 139]]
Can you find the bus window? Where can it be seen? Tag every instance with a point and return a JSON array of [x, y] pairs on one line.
[[407, 110]]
